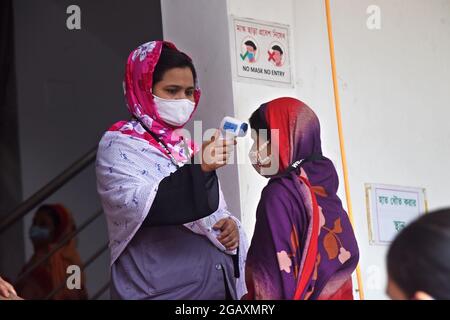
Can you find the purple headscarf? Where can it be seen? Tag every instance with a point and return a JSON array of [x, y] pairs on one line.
[[303, 246]]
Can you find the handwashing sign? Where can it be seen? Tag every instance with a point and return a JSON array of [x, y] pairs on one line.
[[262, 51], [390, 209]]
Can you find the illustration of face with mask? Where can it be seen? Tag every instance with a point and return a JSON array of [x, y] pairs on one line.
[[251, 51]]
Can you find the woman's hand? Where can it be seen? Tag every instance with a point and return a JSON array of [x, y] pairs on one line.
[[216, 152], [6, 290], [229, 235]]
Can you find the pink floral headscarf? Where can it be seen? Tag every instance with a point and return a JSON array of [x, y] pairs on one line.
[[137, 87]]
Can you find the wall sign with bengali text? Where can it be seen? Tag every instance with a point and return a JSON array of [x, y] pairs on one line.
[[261, 51], [390, 209]]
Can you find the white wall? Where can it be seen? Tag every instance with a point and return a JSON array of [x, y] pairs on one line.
[[200, 28], [249, 96], [394, 85], [395, 93]]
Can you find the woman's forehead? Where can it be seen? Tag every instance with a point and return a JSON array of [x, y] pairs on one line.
[[179, 76]]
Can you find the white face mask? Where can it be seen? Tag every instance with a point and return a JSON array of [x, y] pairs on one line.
[[174, 112]]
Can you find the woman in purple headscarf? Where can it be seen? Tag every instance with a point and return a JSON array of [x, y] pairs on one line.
[[303, 245]]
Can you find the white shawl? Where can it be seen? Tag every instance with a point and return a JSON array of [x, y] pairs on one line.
[[129, 171]]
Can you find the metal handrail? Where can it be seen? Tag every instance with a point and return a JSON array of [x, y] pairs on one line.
[[45, 192], [62, 243], [101, 291], [25, 207], [97, 254]]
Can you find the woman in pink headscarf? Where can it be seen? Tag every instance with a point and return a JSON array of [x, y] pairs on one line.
[[171, 235]]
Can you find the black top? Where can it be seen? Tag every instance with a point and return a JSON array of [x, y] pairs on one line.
[[184, 196]]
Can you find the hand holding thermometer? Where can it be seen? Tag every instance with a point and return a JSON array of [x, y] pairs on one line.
[[232, 128], [218, 151]]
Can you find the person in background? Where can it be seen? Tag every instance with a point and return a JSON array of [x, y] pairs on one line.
[[303, 245], [51, 224], [418, 260]]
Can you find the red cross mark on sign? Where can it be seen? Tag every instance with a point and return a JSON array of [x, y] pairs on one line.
[[271, 56]]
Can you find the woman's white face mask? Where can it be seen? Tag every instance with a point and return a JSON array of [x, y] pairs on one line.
[[175, 112]]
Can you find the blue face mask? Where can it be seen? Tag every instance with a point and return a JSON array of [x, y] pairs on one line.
[[250, 55], [39, 233]]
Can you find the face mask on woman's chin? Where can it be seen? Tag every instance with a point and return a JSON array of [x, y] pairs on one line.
[[175, 112], [259, 163]]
